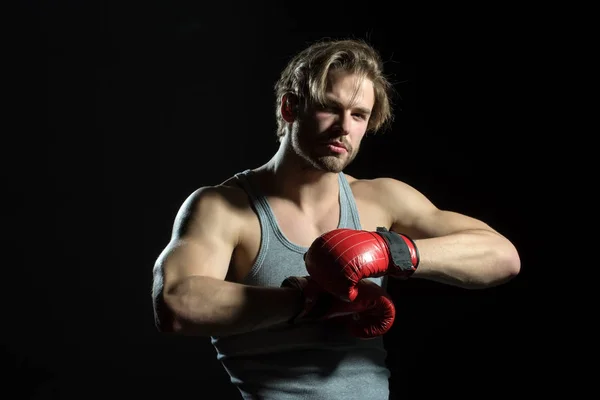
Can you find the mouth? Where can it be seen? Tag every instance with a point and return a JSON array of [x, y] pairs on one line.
[[337, 144], [337, 147]]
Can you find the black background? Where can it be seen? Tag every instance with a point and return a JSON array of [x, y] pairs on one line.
[[124, 110]]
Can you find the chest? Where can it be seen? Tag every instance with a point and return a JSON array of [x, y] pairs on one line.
[[302, 229], [299, 228]]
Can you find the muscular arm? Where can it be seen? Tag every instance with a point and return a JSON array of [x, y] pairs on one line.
[[454, 248], [190, 293], [208, 306]]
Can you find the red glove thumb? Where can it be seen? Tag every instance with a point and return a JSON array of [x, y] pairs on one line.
[[377, 315]]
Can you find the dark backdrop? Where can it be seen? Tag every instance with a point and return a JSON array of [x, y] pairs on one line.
[[125, 110]]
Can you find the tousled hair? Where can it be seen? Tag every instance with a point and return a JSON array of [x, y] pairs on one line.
[[306, 77]]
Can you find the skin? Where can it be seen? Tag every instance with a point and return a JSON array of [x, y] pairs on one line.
[[216, 236]]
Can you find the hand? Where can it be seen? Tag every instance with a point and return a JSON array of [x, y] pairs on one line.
[[371, 314], [338, 260]]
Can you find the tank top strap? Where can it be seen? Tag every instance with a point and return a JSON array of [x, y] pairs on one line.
[[349, 217]]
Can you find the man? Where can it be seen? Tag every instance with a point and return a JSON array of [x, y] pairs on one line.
[[283, 266]]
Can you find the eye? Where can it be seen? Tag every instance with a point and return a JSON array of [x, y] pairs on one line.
[[360, 116]]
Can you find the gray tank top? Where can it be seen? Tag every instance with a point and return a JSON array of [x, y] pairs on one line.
[[316, 361]]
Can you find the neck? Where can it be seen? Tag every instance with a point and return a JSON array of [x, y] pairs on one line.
[[290, 177]]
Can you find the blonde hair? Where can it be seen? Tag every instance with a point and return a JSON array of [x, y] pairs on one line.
[[306, 75]]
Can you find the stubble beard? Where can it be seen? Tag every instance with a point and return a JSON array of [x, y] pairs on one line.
[[325, 163]]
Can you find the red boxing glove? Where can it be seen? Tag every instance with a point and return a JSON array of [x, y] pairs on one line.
[[338, 260], [370, 315]]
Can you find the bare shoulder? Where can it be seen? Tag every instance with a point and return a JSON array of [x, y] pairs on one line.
[[210, 207]]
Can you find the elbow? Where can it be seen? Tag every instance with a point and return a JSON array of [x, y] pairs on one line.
[[504, 264], [173, 326], [508, 265], [514, 267], [166, 319], [184, 327], [163, 318], [169, 324], [175, 318], [511, 261]]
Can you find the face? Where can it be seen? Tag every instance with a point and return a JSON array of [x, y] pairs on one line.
[[329, 138]]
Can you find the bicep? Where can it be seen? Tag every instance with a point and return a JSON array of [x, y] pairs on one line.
[[183, 258], [202, 243]]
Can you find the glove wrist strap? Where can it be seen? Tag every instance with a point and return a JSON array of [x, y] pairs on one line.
[[404, 253]]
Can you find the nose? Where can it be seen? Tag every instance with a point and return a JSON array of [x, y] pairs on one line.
[[342, 123]]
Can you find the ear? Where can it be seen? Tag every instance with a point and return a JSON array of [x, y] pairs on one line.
[[289, 107]]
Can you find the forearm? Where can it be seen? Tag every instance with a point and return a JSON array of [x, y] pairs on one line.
[[472, 259], [211, 307]]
